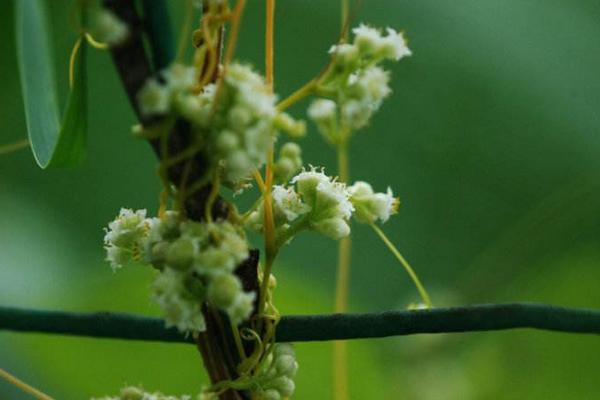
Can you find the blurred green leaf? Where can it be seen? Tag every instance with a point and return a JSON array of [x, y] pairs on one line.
[[53, 144]]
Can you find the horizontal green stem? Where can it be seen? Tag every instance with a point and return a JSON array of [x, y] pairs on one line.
[[307, 328]]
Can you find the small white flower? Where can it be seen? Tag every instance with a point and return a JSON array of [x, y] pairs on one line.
[[154, 98], [322, 109], [394, 45], [180, 309], [374, 84], [107, 28], [370, 206], [346, 55], [180, 77], [334, 228], [367, 39], [242, 307], [286, 202], [333, 199]]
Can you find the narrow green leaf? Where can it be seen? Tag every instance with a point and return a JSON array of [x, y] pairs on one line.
[[54, 143]]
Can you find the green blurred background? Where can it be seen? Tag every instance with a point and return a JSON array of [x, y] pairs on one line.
[[491, 139]]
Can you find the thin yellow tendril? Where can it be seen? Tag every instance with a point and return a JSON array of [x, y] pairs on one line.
[[94, 43], [72, 58], [12, 147], [424, 295], [23, 386]]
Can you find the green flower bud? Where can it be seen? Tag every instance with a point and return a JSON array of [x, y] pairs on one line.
[[213, 260], [242, 307], [158, 254], [334, 228], [169, 226], [281, 349], [286, 365], [290, 150], [284, 385], [132, 393], [271, 394], [180, 254], [284, 122], [223, 290]]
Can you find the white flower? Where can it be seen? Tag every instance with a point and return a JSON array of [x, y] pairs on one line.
[[329, 203], [179, 77], [333, 199], [287, 203], [125, 237], [322, 110], [394, 45], [154, 98], [370, 206], [107, 28], [373, 83], [367, 39], [334, 228], [242, 307], [346, 55], [135, 393], [180, 309]]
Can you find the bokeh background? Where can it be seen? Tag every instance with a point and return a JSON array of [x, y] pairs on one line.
[[491, 138]]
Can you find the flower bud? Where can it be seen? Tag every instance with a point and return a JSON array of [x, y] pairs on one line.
[[334, 228], [132, 393], [242, 307], [284, 385], [271, 394], [154, 98], [286, 365], [284, 122], [223, 290], [290, 150], [180, 254], [158, 254], [107, 28]]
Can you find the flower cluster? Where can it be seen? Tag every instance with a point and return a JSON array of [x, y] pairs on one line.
[[124, 239], [276, 376], [196, 261], [316, 201], [355, 86], [235, 120], [136, 393]]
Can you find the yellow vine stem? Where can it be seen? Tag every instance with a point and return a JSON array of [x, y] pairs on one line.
[[23, 386], [340, 353], [424, 295], [12, 147], [344, 25], [184, 33], [72, 59], [270, 17], [94, 43], [269, 222], [231, 42]]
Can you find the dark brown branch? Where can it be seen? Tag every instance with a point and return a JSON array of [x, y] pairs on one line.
[[135, 69]]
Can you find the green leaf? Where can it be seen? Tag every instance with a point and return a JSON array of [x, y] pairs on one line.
[[54, 143]]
